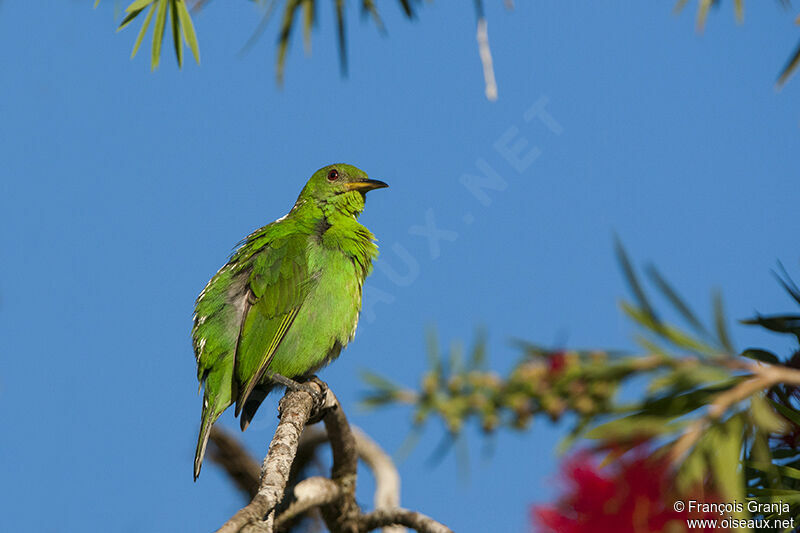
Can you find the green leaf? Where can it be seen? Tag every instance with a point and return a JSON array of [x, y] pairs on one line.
[[764, 416], [738, 7], [379, 382], [158, 33], [679, 5], [477, 359], [188, 30], [96, 3], [785, 471], [761, 355], [633, 283], [692, 472], [673, 405], [673, 335], [289, 13], [138, 4], [790, 67], [308, 23], [676, 301], [702, 13], [143, 30], [342, 37], [368, 6], [777, 323], [455, 363], [409, 11], [788, 413], [632, 427], [719, 323], [128, 18], [725, 447], [177, 39], [785, 453], [434, 356], [788, 283]]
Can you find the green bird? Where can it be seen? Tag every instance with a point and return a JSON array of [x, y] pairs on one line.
[[287, 301]]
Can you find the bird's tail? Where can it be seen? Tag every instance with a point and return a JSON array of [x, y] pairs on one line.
[[202, 440], [212, 408]]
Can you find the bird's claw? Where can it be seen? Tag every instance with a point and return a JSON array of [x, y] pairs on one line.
[[318, 395]]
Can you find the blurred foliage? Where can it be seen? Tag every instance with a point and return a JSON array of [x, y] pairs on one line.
[[180, 22], [304, 13], [703, 8], [727, 421]]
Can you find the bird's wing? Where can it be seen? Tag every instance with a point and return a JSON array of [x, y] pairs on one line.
[[278, 284]]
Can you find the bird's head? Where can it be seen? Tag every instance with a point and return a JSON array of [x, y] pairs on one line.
[[341, 186]]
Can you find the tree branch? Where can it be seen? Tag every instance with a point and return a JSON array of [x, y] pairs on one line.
[[342, 517], [295, 410], [763, 377], [334, 497], [387, 480], [241, 467], [310, 493], [412, 519]]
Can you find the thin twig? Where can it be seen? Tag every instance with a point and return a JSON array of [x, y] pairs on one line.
[[310, 493], [485, 53], [762, 377], [412, 519], [334, 497], [342, 517], [227, 452], [243, 469], [387, 480]]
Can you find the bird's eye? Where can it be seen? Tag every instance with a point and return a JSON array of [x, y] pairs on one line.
[[333, 175]]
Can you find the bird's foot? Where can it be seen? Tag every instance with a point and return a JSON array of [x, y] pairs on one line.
[[318, 408], [318, 395]]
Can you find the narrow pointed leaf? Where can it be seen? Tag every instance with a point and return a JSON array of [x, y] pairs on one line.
[[790, 67], [368, 6], [158, 33], [724, 458], [765, 416], [679, 5], [673, 335], [790, 414], [409, 11], [702, 13], [787, 283], [286, 31], [676, 301], [342, 37], [633, 281], [188, 30], [761, 355], [719, 323], [143, 30], [177, 39], [308, 24], [785, 471], [777, 323], [738, 7], [129, 18], [138, 4]]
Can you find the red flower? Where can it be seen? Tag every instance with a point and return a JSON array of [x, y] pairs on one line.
[[632, 495], [556, 361]]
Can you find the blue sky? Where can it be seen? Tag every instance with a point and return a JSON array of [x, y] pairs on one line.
[[124, 190]]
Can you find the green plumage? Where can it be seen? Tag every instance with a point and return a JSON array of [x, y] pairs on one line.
[[288, 300]]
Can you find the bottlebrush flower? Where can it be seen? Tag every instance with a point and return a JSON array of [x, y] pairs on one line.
[[634, 494]]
